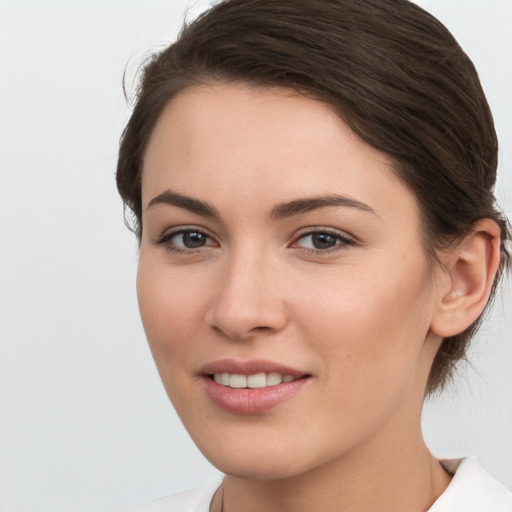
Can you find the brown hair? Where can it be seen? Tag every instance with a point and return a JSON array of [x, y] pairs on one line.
[[393, 72]]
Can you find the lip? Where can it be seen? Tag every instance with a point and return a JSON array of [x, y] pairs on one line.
[[250, 401], [249, 367]]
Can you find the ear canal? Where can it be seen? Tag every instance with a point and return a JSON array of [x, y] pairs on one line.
[[471, 269]]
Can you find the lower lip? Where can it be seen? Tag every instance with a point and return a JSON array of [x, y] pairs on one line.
[[251, 401]]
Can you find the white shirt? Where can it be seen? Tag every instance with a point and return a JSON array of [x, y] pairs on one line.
[[472, 489]]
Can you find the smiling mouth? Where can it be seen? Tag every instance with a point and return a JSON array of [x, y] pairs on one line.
[[253, 381], [251, 387]]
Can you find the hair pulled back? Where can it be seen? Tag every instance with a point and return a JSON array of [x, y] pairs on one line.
[[391, 71]]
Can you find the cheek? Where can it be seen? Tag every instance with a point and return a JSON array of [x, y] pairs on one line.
[[374, 324], [170, 311], [370, 340]]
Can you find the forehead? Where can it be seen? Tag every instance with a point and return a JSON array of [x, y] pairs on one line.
[[264, 144]]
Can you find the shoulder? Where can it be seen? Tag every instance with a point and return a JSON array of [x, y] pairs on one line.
[[194, 500], [472, 489]]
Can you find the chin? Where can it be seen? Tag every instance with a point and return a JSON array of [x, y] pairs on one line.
[[260, 467], [261, 457]]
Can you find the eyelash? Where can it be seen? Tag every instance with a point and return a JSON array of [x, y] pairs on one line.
[[166, 238], [343, 241]]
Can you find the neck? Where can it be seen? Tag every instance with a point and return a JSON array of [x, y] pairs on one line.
[[403, 477]]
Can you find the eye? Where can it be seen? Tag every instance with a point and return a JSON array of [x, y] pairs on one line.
[[185, 240], [189, 239], [323, 241]]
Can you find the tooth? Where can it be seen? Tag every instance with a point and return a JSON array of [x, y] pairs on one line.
[[238, 381], [273, 379], [258, 380]]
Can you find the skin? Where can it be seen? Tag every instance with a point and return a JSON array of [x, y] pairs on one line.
[[356, 317]]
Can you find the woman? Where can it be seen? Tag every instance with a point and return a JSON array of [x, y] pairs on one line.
[[311, 184]]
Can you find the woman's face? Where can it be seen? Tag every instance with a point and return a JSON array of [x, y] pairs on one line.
[[282, 282]]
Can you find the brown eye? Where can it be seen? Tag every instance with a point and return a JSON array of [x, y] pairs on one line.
[[185, 240]]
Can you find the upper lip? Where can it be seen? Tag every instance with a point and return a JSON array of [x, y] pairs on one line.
[[249, 367]]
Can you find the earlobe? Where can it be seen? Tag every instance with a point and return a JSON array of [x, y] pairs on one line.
[[470, 271]]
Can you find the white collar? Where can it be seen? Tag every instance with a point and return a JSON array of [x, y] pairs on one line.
[[472, 489]]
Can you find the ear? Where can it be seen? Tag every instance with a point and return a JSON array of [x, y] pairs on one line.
[[470, 270]]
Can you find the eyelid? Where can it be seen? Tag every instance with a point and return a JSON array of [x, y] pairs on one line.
[[165, 237], [345, 240], [312, 230]]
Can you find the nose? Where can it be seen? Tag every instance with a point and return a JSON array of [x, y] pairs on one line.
[[249, 300]]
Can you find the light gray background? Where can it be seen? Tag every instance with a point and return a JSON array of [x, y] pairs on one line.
[[84, 422]]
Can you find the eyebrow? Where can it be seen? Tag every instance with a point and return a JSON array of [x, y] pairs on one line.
[[188, 203], [280, 211], [308, 204]]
